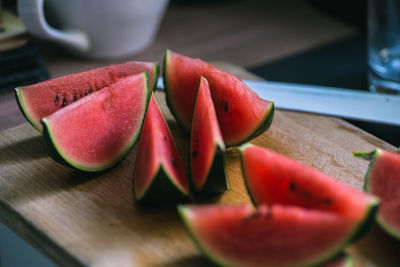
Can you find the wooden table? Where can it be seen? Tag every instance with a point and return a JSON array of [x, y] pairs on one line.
[[92, 219]]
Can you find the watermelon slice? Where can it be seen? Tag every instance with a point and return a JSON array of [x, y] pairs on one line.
[[159, 173], [242, 114], [97, 131], [42, 99], [383, 180], [273, 178], [270, 236], [206, 145]]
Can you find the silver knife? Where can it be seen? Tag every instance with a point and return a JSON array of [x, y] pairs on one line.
[[344, 103]]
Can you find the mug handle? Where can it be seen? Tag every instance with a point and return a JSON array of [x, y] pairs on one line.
[[32, 15]]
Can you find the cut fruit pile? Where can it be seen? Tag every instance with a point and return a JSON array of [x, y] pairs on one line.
[[302, 217]]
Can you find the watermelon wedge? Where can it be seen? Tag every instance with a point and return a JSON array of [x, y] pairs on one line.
[[159, 175], [241, 113], [383, 180], [273, 178], [42, 99], [270, 236], [206, 145], [97, 131]]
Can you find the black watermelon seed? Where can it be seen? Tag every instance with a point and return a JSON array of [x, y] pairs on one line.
[[225, 105], [90, 91], [268, 215], [292, 186], [328, 202], [64, 102], [194, 154]]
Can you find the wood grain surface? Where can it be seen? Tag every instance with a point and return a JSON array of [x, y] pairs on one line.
[[92, 219]]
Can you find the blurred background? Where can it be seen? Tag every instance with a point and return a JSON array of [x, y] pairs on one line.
[[304, 41], [247, 33]]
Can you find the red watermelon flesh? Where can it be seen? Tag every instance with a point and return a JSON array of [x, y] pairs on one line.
[[206, 145], [383, 180], [159, 171], [95, 132], [42, 99], [241, 113], [270, 236], [273, 178]]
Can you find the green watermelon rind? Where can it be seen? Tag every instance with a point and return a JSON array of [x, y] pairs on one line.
[[372, 157], [365, 223], [262, 127], [167, 95], [156, 74], [349, 261], [216, 178], [238, 151], [162, 189], [264, 124], [203, 250], [22, 107], [58, 155], [346, 259], [335, 251]]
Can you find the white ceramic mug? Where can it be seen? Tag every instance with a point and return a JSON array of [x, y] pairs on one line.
[[95, 28]]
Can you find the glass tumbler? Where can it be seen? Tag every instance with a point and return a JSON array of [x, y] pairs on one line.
[[384, 46]]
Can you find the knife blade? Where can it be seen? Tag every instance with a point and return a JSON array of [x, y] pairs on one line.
[[332, 101]]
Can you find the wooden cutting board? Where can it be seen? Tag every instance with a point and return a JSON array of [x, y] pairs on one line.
[[92, 219]]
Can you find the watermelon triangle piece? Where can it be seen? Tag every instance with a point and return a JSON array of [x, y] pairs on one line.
[[97, 131], [39, 100], [272, 178], [383, 180], [159, 175], [270, 236], [207, 146], [241, 113]]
